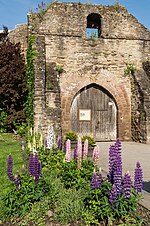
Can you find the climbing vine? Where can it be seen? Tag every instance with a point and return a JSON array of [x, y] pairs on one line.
[[31, 55]]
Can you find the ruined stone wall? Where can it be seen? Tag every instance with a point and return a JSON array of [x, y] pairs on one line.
[[101, 61], [19, 34]]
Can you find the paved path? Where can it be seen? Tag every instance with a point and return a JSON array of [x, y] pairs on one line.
[[131, 153]]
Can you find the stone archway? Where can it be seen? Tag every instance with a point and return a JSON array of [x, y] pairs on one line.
[[118, 90]]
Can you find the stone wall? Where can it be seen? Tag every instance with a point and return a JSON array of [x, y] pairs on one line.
[[19, 34], [101, 61]]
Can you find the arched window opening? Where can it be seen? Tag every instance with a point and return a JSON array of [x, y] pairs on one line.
[[93, 29]]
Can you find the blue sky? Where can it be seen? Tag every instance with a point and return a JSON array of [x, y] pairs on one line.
[[13, 12]]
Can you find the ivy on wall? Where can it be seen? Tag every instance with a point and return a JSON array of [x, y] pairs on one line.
[[31, 55]]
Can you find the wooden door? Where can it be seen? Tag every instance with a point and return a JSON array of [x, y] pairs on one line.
[[94, 113]]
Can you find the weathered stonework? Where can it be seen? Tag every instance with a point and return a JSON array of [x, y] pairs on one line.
[[20, 34], [62, 40]]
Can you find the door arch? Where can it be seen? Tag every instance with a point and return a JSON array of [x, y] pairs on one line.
[[94, 113]]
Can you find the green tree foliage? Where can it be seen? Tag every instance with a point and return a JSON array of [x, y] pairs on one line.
[[13, 88]]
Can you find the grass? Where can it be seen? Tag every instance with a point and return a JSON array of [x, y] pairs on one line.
[[8, 144]]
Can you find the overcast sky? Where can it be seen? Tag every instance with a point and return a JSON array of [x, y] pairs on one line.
[[13, 12]]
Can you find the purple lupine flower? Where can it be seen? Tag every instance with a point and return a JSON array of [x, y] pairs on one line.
[[85, 149], [10, 167], [127, 185], [75, 153], [113, 196], [79, 152], [39, 6], [118, 145], [95, 155], [138, 178], [40, 169], [112, 157], [68, 151], [36, 168], [31, 165], [17, 181], [96, 179], [99, 177], [59, 143], [118, 172]]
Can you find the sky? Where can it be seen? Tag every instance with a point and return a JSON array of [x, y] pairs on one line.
[[13, 12]]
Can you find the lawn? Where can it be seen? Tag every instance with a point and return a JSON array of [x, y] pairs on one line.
[[8, 144]]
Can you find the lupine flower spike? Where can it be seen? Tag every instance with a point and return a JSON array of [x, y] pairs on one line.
[[112, 157], [85, 149], [50, 137], [31, 165], [68, 151], [9, 168], [59, 142], [17, 182], [138, 178], [79, 153], [118, 172], [127, 185], [113, 196], [41, 141], [96, 155], [94, 180]]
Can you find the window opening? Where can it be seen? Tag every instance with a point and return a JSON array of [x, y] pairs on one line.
[[93, 29]]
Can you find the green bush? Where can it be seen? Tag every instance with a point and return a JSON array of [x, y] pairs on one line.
[[73, 177], [70, 207], [19, 202], [21, 128], [71, 135], [91, 140]]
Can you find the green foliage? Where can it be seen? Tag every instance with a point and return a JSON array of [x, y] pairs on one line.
[[71, 135], [73, 177], [59, 68], [3, 116], [13, 85], [91, 140], [31, 55], [130, 70], [97, 204], [21, 128], [20, 202], [70, 207]]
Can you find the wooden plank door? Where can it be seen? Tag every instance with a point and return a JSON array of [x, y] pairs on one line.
[[94, 113]]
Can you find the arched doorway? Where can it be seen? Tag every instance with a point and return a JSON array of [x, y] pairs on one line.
[[94, 113]]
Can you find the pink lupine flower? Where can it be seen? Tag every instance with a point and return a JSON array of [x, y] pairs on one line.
[[96, 155], [79, 152], [85, 149], [68, 151]]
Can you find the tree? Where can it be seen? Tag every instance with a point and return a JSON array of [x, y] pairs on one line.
[[13, 87]]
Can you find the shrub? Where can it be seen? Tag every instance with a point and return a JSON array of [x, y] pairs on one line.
[[71, 135], [70, 207], [13, 85], [91, 140], [19, 202]]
